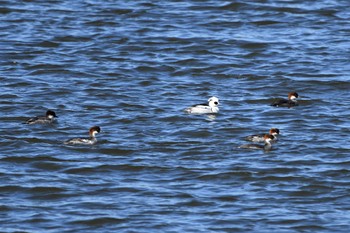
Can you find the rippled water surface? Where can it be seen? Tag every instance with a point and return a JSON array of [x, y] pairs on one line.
[[132, 67]]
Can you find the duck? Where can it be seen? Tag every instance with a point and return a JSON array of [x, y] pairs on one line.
[[260, 137], [85, 141], [49, 118], [290, 102], [205, 108]]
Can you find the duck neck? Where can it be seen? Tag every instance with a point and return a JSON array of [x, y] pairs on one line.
[[92, 135], [267, 145], [214, 109]]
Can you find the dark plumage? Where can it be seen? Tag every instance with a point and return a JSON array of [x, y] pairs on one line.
[[290, 102], [47, 119]]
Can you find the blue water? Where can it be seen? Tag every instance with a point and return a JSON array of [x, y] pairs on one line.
[[132, 68]]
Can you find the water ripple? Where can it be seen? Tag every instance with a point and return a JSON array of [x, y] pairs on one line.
[[132, 68]]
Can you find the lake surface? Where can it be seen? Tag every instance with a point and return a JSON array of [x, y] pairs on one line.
[[132, 67]]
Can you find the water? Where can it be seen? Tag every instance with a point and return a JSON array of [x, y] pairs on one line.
[[131, 68]]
